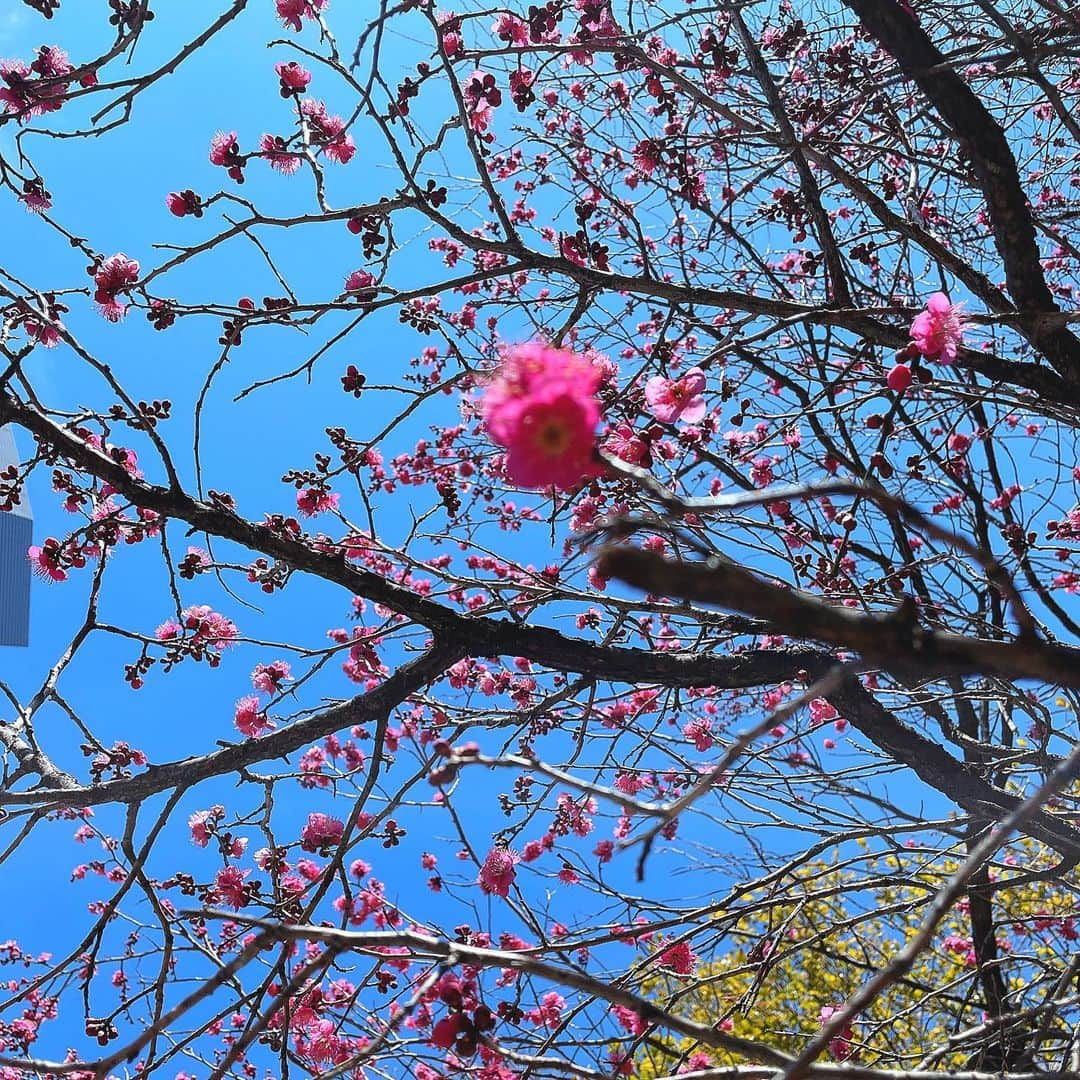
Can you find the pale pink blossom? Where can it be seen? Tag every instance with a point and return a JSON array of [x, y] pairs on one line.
[[202, 824], [670, 400]]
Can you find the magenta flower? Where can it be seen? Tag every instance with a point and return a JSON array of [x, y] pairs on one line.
[[294, 77], [899, 378], [340, 149], [274, 150], [223, 148], [679, 958], [542, 407], [290, 12], [938, 331], [230, 886], [312, 501], [46, 560], [359, 280], [176, 203], [225, 152], [250, 720], [34, 196], [497, 872], [44, 334], [269, 678], [202, 824], [321, 831], [112, 276], [677, 399], [182, 203]]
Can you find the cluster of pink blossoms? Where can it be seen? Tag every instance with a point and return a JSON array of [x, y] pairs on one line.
[[209, 628], [291, 12], [542, 407], [35, 88], [328, 131], [113, 276], [321, 832], [937, 333], [203, 824]]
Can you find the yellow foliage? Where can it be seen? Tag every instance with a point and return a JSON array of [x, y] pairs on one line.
[[814, 938]]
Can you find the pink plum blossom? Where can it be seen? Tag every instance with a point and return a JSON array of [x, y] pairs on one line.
[[274, 150], [268, 678], [542, 407], [291, 12], [202, 824], [312, 501], [294, 77], [321, 831], [497, 872], [679, 958], [249, 718], [670, 400], [112, 276], [938, 331]]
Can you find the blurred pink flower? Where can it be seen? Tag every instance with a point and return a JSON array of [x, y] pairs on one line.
[[542, 407]]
